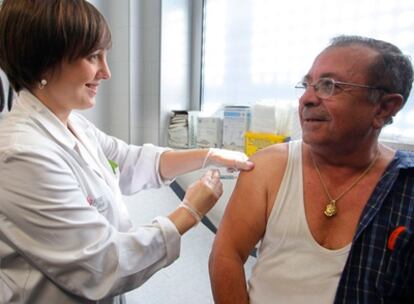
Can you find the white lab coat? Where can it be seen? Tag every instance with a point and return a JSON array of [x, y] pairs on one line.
[[65, 235]]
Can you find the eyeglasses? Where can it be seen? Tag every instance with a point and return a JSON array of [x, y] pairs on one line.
[[325, 87]]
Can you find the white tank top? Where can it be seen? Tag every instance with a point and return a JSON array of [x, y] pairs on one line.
[[291, 266]]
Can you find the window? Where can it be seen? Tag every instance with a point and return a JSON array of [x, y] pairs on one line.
[[259, 49]]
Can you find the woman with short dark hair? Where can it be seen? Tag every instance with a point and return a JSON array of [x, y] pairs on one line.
[[65, 235]]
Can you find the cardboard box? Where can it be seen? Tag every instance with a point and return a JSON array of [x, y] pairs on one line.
[[209, 132], [236, 122]]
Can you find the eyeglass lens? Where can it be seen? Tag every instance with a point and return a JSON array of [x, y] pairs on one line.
[[324, 87]]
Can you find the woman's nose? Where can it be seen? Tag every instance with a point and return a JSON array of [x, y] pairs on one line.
[[104, 71]]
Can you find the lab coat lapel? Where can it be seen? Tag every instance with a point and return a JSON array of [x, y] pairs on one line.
[[89, 147], [103, 168], [87, 137]]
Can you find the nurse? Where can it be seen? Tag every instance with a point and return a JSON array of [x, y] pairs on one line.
[[65, 235]]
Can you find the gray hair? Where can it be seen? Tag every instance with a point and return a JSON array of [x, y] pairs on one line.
[[392, 70]]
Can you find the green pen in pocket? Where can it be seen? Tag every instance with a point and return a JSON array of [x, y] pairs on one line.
[[114, 165]]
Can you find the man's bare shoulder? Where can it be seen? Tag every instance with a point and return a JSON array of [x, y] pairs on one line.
[[262, 183], [272, 158]]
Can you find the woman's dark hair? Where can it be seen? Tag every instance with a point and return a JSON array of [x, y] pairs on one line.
[[392, 70], [37, 35]]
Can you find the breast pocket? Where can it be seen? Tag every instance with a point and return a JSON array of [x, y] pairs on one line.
[[399, 270]]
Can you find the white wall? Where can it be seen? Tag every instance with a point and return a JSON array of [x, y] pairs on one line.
[[175, 61], [151, 64], [112, 111], [180, 59]]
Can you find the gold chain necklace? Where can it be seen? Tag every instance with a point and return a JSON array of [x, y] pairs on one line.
[[330, 209]]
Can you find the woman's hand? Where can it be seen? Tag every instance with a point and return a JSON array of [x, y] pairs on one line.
[[174, 163], [199, 198], [232, 160], [204, 193]]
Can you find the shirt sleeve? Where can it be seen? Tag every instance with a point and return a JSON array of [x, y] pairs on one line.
[[45, 216]]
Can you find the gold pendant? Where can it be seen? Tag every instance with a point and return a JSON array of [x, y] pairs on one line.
[[330, 209]]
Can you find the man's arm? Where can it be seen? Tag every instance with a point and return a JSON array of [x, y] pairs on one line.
[[244, 224]]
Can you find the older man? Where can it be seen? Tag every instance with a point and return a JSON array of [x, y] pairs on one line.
[[334, 213]]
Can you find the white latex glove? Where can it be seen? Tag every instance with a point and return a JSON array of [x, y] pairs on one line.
[[232, 160], [203, 194]]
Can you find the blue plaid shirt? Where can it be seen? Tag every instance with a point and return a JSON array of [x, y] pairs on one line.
[[376, 272]]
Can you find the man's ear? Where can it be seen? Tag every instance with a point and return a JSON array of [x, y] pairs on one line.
[[388, 106]]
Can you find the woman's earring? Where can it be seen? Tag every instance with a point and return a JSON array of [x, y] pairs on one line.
[[42, 83]]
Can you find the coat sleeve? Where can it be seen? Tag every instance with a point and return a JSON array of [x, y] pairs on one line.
[[45, 216], [138, 165]]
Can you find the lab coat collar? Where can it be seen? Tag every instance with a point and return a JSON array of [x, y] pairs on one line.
[[46, 118], [81, 134]]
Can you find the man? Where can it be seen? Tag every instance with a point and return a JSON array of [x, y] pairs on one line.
[[334, 213]]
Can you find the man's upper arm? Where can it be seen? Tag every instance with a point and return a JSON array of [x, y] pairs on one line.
[[244, 221]]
